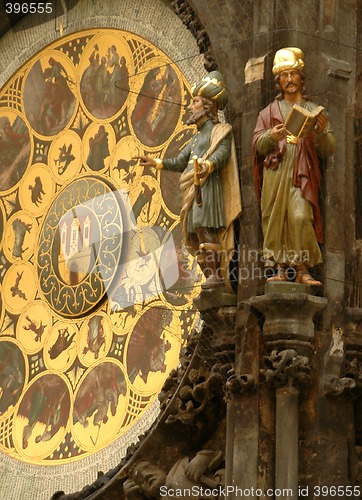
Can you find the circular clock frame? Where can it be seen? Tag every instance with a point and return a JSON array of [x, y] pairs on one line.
[[77, 364]]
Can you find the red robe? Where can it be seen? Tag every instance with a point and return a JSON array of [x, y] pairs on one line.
[[306, 170]]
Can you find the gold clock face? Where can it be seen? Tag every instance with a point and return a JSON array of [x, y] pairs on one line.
[[96, 288]]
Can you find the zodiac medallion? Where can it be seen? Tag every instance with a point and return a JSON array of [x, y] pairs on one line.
[[80, 246]]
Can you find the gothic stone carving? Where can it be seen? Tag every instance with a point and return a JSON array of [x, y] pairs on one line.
[[189, 18], [287, 367]]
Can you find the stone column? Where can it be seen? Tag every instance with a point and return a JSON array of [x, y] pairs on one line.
[[288, 332], [353, 335], [286, 442], [242, 430]]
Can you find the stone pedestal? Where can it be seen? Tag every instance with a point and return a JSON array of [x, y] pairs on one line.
[[288, 318], [288, 333]]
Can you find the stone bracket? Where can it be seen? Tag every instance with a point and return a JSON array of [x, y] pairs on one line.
[[338, 68], [287, 368], [289, 317], [239, 384], [334, 383]]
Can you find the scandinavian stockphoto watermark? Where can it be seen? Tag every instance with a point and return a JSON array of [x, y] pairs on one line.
[[249, 264], [101, 239]]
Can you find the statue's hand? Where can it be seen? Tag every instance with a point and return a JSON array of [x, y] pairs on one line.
[[145, 161], [199, 465], [321, 123], [278, 132], [204, 170]]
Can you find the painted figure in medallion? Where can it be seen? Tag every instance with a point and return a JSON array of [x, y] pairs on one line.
[[104, 84], [156, 109], [14, 150], [99, 394], [96, 338], [12, 375], [46, 402], [58, 98], [148, 344], [98, 149], [20, 229]]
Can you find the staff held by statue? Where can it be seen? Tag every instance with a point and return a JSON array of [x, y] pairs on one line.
[[198, 195]]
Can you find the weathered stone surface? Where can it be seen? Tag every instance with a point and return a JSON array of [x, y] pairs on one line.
[[288, 316]]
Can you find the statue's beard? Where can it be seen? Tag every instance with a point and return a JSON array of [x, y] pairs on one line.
[[195, 117]]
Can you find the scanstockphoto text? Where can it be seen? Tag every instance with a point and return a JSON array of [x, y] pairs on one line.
[[326, 491]]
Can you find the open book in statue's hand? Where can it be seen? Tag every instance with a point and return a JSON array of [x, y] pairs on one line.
[[300, 121]]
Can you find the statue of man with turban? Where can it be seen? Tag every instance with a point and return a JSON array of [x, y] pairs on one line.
[[287, 176], [207, 228]]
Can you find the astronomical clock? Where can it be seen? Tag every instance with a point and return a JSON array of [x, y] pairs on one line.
[[96, 287]]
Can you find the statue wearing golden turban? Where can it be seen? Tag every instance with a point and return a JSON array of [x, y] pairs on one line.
[[287, 175], [207, 223]]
